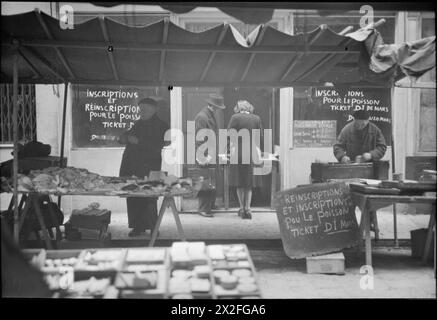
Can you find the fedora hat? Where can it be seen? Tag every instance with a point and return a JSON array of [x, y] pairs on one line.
[[216, 100]]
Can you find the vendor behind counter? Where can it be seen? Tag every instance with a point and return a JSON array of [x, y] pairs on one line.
[[359, 148], [360, 141]]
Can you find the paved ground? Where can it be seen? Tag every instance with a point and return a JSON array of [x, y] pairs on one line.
[[396, 273], [264, 225]]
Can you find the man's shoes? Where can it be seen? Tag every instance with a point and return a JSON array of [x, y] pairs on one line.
[[136, 232], [206, 214]]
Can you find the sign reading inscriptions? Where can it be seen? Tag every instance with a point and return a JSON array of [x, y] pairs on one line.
[[316, 219], [101, 114], [338, 103], [314, 133]]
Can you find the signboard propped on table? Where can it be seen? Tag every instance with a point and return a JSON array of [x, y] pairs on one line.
[[316, 219]]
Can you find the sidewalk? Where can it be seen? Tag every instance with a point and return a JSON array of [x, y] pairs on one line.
[[263, 225]]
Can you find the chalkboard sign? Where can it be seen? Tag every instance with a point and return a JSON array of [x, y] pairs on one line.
[[101, 114], [338, 103], [316, 219], [314, 133]]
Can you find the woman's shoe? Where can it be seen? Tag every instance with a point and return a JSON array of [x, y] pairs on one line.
[[241, 212], [247, 214]]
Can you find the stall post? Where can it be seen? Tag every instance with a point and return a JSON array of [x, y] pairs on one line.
[[15, 139], [64, 113], [393, 169]]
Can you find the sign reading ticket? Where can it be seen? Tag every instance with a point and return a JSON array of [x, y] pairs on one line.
[[316, 219]]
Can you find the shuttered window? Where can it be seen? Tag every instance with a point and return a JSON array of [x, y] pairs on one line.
[[26, 113]]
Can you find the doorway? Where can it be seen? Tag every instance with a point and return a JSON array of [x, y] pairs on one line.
[[266, 105]]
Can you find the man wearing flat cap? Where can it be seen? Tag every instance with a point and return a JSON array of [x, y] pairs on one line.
[[206, 119], [360, 140], [144, 142]]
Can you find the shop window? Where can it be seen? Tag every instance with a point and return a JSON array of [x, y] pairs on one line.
[[26, 113]]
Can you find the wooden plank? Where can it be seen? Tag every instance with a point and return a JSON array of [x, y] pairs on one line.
[[31, 66], [295, 61], [212, 55], [30, 52], [163, 52], [109, 53], [15, 139], [158, 222], [252, 55]]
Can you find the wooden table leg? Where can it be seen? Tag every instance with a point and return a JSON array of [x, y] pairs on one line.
[[368, 243], [226, 186], [395, 225], [360, 230], [429, 237], [274, 179], [177, 219], [27, 205], [40, 218], [164, 206], [55, 221], [11, 204]]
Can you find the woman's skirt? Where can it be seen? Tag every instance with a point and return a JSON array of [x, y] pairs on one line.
[[241, 176]]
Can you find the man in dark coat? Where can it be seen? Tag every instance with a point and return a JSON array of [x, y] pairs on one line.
[[206, 119], [144, 142], [360, 141]]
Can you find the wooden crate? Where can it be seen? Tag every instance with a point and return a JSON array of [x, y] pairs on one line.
[[326, 264], [418, 239]]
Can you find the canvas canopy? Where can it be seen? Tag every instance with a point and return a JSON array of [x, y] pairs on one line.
[[102, 51]]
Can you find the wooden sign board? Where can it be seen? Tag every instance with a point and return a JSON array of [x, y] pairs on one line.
[[314, 133], [316, 219]]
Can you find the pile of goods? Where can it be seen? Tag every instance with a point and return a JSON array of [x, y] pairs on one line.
[[233, 273], [90, 288], [187, 270], [74, 180], [190, 274], [143, 274], [101, 260], [139, 259]]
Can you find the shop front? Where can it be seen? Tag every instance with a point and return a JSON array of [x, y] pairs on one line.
[[303, 88]]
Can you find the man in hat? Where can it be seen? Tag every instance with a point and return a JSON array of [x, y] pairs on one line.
[[360, 140], [144, 142], [206, 119]]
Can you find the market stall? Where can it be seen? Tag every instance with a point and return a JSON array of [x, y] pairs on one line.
[[55, 181], [101, 51]]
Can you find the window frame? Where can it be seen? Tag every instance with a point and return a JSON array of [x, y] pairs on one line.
[[416, 94]]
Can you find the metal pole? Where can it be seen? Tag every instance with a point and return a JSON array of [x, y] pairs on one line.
[[15, 139], [64, 115]]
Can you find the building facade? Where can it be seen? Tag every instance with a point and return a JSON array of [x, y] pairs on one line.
[[412, 104]]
